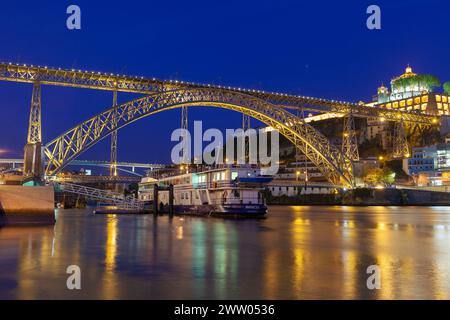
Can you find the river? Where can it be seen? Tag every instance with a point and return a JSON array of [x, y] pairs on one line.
[[301, 252]]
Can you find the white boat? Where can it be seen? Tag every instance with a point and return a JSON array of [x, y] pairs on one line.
[[226, 192]]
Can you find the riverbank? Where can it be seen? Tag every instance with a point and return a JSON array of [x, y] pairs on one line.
[[368, 197]]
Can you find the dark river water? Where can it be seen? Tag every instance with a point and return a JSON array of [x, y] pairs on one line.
[[296, 253]]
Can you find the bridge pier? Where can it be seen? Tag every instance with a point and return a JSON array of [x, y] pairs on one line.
[[171, 201], [33, 164], [155, 200], [113, 158], [400, 143], [349, 139]]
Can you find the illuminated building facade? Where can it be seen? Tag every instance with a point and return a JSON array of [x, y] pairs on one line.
[[431, 165], [412, 92]]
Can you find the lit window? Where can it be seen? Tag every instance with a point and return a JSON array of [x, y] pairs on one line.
[[438, 98], [424, 106], [417, 100], [416, 107], [402, 103], [389, 106], [439, 105], [444, 99], [425, 99], [395, 105], [410, 102]]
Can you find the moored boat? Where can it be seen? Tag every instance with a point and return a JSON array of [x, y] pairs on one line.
[[225, 192]]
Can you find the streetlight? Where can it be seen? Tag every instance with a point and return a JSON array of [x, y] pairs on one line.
[[297, 174]]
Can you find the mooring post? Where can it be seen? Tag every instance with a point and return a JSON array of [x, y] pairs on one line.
[[171, 201], [155, 200]]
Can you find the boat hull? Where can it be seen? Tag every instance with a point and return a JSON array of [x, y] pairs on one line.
[[250, 211]]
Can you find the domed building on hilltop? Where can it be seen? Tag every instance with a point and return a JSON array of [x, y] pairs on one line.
[[413, 92]]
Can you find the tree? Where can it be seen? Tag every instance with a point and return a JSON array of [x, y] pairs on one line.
[[430, 81], [379, 176], [447, 87], [426, 80]]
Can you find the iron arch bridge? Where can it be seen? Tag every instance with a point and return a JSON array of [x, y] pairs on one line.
[[316, 147]]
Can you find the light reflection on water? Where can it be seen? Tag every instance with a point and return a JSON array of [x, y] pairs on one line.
[[296, 253]]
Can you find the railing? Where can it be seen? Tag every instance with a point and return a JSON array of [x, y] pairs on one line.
[[115, 198], [239, 201], [95, 179], [214, 185]]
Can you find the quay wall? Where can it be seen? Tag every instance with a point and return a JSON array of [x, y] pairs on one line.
[[21, 205], [369, 197]]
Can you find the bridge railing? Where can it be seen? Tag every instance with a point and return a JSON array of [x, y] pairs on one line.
[[115, 198]]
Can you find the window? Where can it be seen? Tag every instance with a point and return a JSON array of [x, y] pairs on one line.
[[219, 176], [425, 99], [438, 98], [409, 102], [402, 103], [234, 175]]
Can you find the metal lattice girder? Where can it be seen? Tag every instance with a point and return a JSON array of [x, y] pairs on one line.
[[105, 81], [185, 127], [400, 141], [349, 139], [34, 124], [113, 158], [81, 79], [245, 126], [328, 159], [362, 111]]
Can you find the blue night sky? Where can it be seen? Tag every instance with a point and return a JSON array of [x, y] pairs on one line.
[[315, 48]]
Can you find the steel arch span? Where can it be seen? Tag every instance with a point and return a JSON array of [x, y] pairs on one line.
[[330, 161]]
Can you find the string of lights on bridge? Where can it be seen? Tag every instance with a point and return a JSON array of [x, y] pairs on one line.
[[182, 82]]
